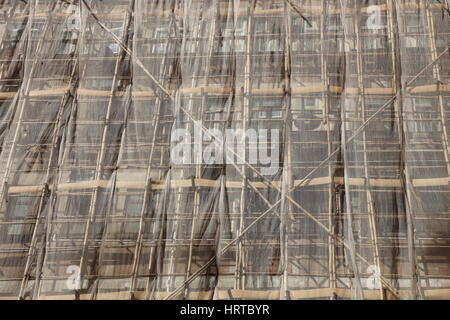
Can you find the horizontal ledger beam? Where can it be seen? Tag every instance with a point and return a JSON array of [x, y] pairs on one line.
[[435, 88], [432, 294], [189, 183]]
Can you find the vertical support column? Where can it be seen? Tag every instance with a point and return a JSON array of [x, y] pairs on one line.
[[286, 208], [356, 281], [331, 189], [367, 187], [240, 255]]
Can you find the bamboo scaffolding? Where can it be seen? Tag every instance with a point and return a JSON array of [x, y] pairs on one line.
[[288, 244]]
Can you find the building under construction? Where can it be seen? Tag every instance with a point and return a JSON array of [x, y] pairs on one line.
[[93, 207]]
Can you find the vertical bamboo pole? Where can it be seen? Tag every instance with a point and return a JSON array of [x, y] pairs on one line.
[[241, 254], [240, 272], [349, 214], [331, 189], [369, 197], [286, 208]]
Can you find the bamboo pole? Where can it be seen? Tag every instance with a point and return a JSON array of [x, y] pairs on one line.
[[286, 215], [327, 119], [241, 264], [349, 215], [369, 197]]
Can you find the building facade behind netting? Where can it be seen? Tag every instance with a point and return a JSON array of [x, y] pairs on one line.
[[354, 205]]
